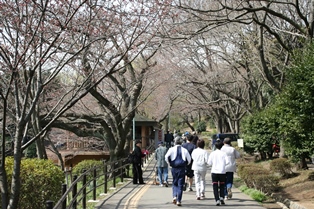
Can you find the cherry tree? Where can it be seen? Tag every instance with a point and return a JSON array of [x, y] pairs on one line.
[[53, 54]]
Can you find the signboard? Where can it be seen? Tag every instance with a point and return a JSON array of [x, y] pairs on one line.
[[240, 143]]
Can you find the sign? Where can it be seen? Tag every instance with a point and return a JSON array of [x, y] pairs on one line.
[[240, 143]]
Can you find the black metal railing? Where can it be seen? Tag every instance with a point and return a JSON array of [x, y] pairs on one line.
[[90, 180]]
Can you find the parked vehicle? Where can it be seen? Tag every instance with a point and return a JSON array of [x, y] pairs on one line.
[[222, 136]]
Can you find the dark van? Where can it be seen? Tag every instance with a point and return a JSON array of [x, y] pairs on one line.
[[222, 136]]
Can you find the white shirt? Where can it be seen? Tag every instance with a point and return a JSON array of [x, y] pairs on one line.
[[232, 155], [172, 152], [218, 160], [200, 158]]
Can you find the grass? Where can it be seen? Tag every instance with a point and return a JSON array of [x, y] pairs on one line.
[[253, 193], [99, 191]]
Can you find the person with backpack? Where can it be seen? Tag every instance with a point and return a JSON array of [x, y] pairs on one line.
[[189, 173], [178, 158]]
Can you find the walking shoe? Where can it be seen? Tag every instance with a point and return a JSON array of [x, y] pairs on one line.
[[185, 185], [190, 189], [218, 202], [166, 184], [179, 204], [198, 198], [229, 193], [174, 200], [226, 198], [161, 185], [203, 195], [222, 201]]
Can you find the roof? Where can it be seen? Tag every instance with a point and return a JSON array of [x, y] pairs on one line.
[[141, 120]]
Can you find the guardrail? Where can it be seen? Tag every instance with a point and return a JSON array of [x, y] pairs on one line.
[[90, 180]]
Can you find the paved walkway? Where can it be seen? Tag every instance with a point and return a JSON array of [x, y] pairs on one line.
[[150, 196]]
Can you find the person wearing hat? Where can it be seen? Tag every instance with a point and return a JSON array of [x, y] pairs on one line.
[[137, 164], [162, 166], [178, 158], [232, 155]]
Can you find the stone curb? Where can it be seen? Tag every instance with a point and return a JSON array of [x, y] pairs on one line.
[[286, 203]]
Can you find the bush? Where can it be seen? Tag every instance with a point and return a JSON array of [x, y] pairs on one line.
[[281, 166], [87, 165], [268, 184], [40, 180], [201, 126], [257, 177]]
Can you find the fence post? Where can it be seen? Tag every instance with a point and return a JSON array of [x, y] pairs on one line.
[[84, 190], [113, 169], [121, 170], [49, 204], [64, 189], [106, 178], [74, 192], [94, 184]]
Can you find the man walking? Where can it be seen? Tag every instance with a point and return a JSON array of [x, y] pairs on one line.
[[232, 155], [178, 157], [188, 169], [162, 166], [168, 139]]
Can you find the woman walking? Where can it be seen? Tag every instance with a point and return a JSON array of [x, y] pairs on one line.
[[199, 166]]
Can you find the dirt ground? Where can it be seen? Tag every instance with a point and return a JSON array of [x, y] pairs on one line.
[[299, 189]]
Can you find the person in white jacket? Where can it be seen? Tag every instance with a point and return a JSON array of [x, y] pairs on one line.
[[232, 154], [199, 166], [218, 160]]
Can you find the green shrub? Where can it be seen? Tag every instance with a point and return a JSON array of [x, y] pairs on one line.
[[268, 184], [201, 126], [282, 166], [87, 165], [249, 173], [40, 180]]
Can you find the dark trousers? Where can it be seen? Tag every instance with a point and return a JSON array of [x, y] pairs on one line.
[[137, 173], [218, 185], [178, 175]]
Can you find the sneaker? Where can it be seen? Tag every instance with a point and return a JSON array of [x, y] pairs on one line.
[[203, 195], [179, 204], [190, 189], [185, 185], [226, 198], [229, 193], [222, 201], [166, 184], [161, 185], [174, 200], [198, 198], [218, 202]]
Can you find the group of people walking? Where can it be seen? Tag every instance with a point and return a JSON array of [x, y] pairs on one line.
[[190, 160]]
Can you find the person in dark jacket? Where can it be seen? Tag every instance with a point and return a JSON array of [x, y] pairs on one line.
[[188, 169], [137, 164]]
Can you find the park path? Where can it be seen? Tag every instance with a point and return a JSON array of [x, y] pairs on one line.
[[151, 196]]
